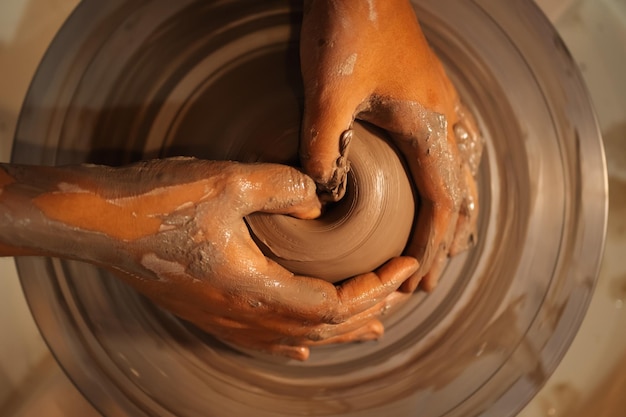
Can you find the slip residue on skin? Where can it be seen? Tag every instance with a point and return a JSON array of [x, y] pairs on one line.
[[126, 218], [161, 267], [347, 68], [373, 14], [70, 188], [115, 221]]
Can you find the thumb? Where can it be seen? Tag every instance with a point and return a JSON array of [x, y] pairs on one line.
[[325, 140], [280, 189]]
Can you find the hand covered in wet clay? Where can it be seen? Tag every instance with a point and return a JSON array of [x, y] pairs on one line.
[[369, 60], [174, 229]]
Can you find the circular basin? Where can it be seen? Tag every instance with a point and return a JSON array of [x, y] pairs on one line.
[[128, 80]]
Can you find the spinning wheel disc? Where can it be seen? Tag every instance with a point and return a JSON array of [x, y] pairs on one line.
[[125, 80]]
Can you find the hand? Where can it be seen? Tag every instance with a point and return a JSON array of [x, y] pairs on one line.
[[174, 230], [218, 279], [370, 60]]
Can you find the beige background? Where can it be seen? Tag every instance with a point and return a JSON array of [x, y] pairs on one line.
[[591, 379]]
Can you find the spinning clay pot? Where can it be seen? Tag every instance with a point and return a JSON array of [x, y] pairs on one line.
[[370, 225]]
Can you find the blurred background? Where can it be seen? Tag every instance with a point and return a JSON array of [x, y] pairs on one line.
[[590, 380]]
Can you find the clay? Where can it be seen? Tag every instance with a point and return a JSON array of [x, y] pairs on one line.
[[368, 226]]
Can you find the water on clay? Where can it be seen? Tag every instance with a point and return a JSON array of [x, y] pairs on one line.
[[128, 80]]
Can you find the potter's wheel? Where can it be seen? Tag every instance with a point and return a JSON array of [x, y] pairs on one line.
[[125, 80]]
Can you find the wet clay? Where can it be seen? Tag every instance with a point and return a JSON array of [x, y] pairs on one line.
[[370, 225]]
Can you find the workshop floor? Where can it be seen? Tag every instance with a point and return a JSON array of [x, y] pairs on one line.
[[592, 376]]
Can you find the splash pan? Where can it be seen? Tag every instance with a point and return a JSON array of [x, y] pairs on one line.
[[128, 80]]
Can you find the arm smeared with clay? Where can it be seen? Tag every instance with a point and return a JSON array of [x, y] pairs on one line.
[[369, 60], [174, 230]]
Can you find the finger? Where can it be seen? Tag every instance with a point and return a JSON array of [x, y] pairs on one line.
[[432, 235], [430, 280], [465, 233], [441, 253], [424, 138], [299, 353], [367, 290], [295, 330], [248, 342], [434, 163], [358, 322], [277, 327], [470, 144], [360, 327], [373, 330], [313, 301], [326, 138], [273, 188], [469, 140], [329, 111], [333, 88]]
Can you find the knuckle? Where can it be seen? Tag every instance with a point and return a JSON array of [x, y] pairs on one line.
[[321, 333]]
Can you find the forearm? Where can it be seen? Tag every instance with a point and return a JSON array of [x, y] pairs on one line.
[[46, 211], [92, 213]]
